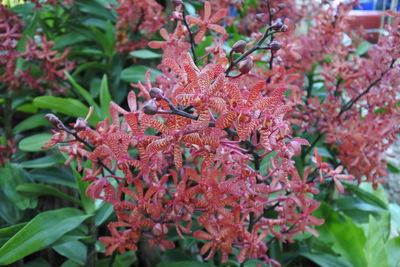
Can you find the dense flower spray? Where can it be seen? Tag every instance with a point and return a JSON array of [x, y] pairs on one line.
[[209, 154]]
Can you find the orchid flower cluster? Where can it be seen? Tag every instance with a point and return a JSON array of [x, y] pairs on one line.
[[209, 154], [42, 69], [359, 115], [136, 20]]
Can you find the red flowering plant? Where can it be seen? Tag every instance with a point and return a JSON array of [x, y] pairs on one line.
[[37, 67], [210, 153]]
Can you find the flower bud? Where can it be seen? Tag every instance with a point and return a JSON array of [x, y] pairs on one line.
[[156, 93], [245, 66], [80, 125], [150, 107], [56, 122], [275, 46], [277, 25], [284, 28], [239, 47]]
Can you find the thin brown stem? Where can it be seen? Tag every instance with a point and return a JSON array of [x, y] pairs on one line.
[[191, 38], [350, 104], [257, 46]]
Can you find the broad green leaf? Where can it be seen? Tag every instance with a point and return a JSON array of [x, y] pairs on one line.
[[393, 248], [74, 250], [366, 196], [34, 143], [40, 232], [375, 250], [54, 175], [8, 211], [7, 232], [145, 54], [137, 73], [31, 122], [43, 162], [395, 216], [327, 260], [67, 106], [96, 9], [10, 177], [71, 38], [105, 97], [45, 190], [349, 241], [103, 213], [27, 108]]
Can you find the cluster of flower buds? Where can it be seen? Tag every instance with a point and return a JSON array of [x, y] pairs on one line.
[[150, 107]]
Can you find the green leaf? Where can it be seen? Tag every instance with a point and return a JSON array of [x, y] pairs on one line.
[[82, 91], [46, 190], [67, 106], [95, 9], [43, 162], [31, 122], [395, 216], [393, 248], [349, 241], [375, 251], [71, 38], [54, 175], [366, 196], [40, 232], [327, 260], [34, 143], [27, 108], [74, 250], [7, 232], [105, 97], [137, 73], [393, 169], [363, 48], [8, 211], [10, 177], [103, 213], [145, 54]]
